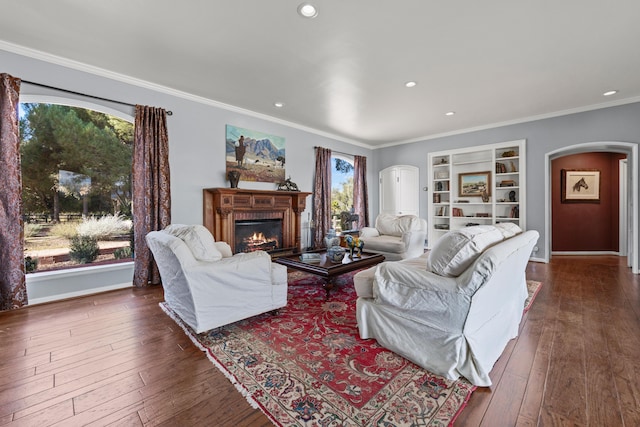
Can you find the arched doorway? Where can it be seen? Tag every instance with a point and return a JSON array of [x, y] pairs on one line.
[[631, 151]]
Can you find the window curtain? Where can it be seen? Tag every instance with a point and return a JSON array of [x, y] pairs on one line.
[[13, 288], [322, 195], [360, 192], [151, 190]]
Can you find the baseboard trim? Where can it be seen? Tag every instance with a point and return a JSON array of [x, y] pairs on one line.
[[585, 253]]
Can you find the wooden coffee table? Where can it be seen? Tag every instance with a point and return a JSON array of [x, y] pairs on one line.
[[327, 269]]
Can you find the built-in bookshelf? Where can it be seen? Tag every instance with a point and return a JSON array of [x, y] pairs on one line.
[[477, 185]]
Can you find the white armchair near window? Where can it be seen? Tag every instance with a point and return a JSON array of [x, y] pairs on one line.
[[395, 237], [207, 286]]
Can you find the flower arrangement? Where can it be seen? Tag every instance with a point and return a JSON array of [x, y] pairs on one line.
[[355, 246]]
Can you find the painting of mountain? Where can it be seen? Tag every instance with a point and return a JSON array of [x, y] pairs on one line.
[[256, 155]]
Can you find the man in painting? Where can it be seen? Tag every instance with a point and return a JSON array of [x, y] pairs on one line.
[[240, 150]]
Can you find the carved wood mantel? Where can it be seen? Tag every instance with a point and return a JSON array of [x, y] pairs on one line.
[[223, 206]]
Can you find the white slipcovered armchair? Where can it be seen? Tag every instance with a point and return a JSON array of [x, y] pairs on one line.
[[207, 286], [395, 237]]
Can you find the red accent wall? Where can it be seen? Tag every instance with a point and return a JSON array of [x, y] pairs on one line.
[[587, 226]]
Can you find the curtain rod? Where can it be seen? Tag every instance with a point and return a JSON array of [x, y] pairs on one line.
[[339, 152], [169, 113]]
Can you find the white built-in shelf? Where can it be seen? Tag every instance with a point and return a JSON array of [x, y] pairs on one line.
[[446, 166]]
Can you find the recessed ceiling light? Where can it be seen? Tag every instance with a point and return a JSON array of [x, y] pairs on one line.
[[410, 84], [307, 10], [611, 92], [279, 104], [450, 113]]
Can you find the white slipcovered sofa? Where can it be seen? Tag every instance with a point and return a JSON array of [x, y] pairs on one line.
[[395, 237], [453, 310], [207, 286]]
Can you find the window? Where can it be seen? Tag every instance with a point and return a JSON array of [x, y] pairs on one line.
[[341, 188], [76, 177]]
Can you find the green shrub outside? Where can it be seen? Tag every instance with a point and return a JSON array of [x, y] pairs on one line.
[[30, 264], [84, 249], [122, 253]]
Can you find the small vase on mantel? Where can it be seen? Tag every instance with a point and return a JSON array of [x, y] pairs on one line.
[[234, 178]]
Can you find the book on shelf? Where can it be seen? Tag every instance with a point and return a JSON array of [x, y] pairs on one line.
[[457, 212]]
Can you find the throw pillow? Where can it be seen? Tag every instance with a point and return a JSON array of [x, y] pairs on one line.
[[456, 250], [198, 239], [508, 229], [224, 249]]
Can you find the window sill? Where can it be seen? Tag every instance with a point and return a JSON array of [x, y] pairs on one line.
[[53, 285]]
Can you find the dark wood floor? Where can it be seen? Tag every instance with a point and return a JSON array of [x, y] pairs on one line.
[[117, 359]]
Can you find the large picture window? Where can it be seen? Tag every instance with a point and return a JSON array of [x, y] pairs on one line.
[[341, 189], [76, 174]]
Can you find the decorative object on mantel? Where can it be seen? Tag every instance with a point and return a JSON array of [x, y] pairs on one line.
[[288, 185], [355, 246], [234, 177]]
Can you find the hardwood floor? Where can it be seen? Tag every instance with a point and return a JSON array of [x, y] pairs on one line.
[[116, 359]]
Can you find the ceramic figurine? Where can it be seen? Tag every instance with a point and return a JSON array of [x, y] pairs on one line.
[[355, 246]]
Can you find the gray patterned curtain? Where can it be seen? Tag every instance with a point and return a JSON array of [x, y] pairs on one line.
[[13, 288], [322, 196], [360, 192], [151, 189]]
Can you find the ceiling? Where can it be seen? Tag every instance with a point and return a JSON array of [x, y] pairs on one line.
[[343, 73]]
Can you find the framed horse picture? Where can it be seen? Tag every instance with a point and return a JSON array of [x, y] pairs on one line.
[[580, 185]]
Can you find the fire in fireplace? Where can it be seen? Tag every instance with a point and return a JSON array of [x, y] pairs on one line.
[[258, 235]]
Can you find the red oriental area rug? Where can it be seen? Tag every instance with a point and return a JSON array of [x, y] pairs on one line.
[[307, 366]]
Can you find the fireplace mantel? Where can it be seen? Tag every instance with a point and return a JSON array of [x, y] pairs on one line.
[[223, 206]]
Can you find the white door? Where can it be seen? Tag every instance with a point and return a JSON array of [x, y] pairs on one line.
[[388, 183], [408, 191], [622, 212], [400, 190]]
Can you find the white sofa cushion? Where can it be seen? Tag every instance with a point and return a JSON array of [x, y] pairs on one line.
[[393, 225], [456, 250], [198, 239]]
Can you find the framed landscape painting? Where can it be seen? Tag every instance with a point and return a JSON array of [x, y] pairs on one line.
[[474, 184], [255, 155], [580, 185]]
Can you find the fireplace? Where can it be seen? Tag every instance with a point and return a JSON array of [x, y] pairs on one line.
[[258, 235], [230, 213]]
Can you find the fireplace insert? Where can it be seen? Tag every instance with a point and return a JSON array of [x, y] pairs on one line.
[[258, 235]]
